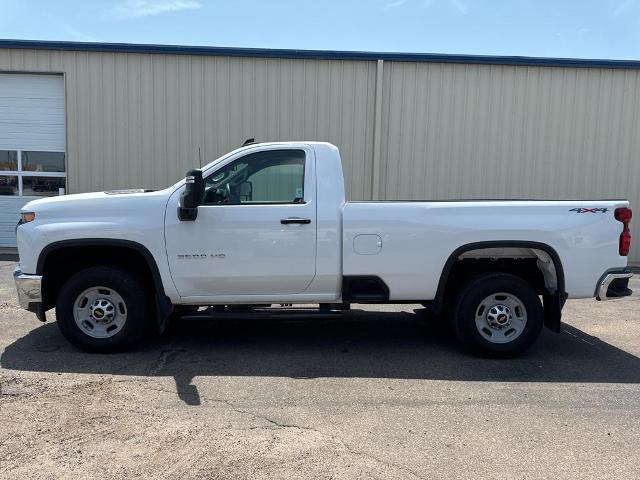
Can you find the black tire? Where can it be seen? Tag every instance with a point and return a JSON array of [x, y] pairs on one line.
[[468, 303], [132, 291]]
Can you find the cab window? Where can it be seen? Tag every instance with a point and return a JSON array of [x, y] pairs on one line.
[[272, 176]]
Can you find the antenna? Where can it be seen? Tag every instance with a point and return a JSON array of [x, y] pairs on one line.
[[200, 157]]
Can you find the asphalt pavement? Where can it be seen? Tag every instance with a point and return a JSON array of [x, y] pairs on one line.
[[378, 393]]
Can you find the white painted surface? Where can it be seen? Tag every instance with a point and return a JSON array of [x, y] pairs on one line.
[[9, 216], [31, 118], [31, 112], [417, 238], [261, 255]]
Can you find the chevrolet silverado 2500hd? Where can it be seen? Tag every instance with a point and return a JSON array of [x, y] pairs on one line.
[[268, 224]]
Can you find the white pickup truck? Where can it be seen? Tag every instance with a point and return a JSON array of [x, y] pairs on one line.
[[268, 224]]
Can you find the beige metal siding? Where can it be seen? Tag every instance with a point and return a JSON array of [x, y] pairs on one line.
[[439, 130], [486, 131], [137, 120], [498, 131]]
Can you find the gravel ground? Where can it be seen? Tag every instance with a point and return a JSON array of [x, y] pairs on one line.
[[378, 394]]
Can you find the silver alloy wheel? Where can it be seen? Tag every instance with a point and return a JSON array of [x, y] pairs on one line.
[[100, 312], [501, 317]]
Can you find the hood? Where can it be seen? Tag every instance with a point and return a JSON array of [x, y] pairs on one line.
[[129, 191], [97, 204], [63, 199]]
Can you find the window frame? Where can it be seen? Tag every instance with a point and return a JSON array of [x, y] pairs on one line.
[[20, 173], [305, 172]]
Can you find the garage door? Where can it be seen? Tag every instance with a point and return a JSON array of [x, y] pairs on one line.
[[32, 154]]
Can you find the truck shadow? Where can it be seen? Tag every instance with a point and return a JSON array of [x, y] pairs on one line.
[[367, 345]]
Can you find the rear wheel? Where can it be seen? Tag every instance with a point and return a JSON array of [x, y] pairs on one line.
[[103, 309], [497, 315]]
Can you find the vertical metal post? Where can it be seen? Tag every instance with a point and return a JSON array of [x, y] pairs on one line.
[[20, 173], [377, 127]]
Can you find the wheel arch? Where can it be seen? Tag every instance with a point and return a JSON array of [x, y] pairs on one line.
[[162, 303], [553, 302]]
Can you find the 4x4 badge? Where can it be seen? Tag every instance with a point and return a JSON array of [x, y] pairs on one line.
[[589, 210]]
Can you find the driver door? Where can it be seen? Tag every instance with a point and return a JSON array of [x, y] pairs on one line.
[[254, 235]]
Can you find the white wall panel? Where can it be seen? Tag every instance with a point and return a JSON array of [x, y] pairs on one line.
[[32, 112], [31, 118], [9, 216]]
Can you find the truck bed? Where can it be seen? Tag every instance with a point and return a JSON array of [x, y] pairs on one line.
[[416, 238]]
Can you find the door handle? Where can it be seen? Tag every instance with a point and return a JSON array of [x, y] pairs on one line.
[[287, 221]]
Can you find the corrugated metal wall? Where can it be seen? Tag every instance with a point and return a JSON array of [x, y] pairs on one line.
[[487, 131], [476, 130], [405, 129], [137, 120]]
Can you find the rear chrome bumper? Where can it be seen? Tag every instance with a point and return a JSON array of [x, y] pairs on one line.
[[29, 289], [614, 285]]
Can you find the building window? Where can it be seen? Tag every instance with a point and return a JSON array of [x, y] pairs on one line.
[[32, 174], [8, 160], [43, 161], [8, 185]]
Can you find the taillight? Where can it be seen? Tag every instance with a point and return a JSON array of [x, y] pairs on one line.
[[624, 215]]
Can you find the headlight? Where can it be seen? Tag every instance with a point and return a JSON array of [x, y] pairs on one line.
[[27, 217]]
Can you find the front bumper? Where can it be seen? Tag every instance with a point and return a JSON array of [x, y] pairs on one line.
[[29, 289], [614, 285]]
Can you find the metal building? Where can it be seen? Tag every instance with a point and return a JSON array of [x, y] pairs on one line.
[[86, 116]]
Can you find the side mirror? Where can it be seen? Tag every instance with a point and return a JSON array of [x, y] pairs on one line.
[[192, 196]]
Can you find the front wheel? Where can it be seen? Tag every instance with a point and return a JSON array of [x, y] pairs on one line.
[[103, 309], [497, 315]]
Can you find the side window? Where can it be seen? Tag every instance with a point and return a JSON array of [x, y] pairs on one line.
[[273, 176]]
